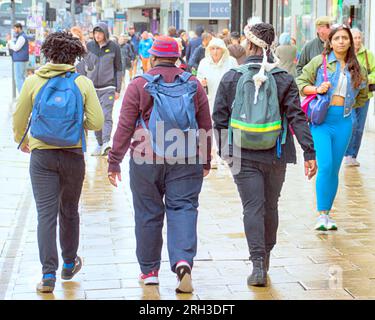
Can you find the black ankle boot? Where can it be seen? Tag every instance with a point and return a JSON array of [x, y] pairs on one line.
[[258, 278], [267, 261]]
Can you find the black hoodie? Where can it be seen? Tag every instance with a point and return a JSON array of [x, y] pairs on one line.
[[107, 71]]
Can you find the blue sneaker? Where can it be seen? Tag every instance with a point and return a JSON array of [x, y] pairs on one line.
[[47, 284], [69, 270]]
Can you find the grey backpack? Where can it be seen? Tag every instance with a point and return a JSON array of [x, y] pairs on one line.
[[256, 124]]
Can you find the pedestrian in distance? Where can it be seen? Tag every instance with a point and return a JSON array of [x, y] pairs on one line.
[[144, 45], [287, 53], [200, 52], [345, 88], [194, 43], [104, 56], [127, 55], [367, 60], [56, 94], [315, 47], [161, 181], [19, 50], [235, 49], [255, 104], [134, 39]]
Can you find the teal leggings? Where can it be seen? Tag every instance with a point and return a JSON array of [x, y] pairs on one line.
[[331, 139]]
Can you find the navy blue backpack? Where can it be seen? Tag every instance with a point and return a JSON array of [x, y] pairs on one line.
[[172, 124], [58, 113]]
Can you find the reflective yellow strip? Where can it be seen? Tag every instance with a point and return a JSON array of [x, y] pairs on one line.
[[268, 129]]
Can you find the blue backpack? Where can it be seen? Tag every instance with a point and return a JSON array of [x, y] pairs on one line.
[[58, 113], [172, 124]]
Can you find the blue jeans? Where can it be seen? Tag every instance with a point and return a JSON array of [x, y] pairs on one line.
[[20, 73], [331, 139], [359, 121], [180, 186], [57, 179]]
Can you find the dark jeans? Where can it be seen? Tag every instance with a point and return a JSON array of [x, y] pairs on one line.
[[172, 189], [359, 121], [259, 186], [57, 178]]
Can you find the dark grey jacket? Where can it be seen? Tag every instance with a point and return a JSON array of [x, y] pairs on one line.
[[290, 106], [311, 49], [107, 71]]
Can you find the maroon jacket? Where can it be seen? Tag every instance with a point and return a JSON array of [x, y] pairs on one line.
[[138, 101]]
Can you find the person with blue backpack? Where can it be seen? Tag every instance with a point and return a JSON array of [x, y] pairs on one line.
[[166, 112], [255, 104], [62, 105]]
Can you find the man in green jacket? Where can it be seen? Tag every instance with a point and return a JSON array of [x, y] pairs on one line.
[[57, 172], [315, 47], [367, 60]]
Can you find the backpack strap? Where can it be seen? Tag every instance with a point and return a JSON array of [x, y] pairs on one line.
[[282, 138], [72, 76], [185, 76]]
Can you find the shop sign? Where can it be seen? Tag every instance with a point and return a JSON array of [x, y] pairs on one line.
[[209, 10]]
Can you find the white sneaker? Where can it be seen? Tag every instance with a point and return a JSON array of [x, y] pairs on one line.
[[331, 224], [97, 151], [321, 223], [105, 148], [184, 282], [355, 163], [350, 161]]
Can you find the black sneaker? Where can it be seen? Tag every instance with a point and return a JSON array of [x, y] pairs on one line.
[[68, 273], [258, 278], [47, 284], [184, 282]]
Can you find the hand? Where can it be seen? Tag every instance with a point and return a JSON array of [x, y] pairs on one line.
[[204, 82], [8, 37], [310, 168], [324, 87], [25, 148], [117, 95], [112, 178], [205, 172]]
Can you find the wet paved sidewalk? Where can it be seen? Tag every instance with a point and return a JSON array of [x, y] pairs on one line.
[[305, 264]]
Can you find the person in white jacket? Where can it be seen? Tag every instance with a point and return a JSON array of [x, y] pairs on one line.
[[210, 71]]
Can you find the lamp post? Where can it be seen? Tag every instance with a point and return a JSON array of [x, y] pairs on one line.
[[13, 21]]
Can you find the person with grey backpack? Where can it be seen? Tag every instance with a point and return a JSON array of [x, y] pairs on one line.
[[255, 105]]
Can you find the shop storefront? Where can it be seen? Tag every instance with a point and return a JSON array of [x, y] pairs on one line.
[[211, 15], [298, 17]]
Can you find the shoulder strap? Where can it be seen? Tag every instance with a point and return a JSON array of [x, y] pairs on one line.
[[325, 68], [149, 78], [185, 76]]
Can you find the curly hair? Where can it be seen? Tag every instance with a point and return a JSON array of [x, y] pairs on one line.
[[62, 48]]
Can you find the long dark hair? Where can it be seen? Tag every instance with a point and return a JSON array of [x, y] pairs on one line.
[[62, 48], [351, 59]]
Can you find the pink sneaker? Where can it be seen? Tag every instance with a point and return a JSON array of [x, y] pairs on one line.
[[150, 278]]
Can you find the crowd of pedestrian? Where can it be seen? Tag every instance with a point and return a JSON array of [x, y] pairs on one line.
[[242, 90]]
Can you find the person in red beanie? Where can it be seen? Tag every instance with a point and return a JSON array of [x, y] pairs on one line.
[[158, 185]]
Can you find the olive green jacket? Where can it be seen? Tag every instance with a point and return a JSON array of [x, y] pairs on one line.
[[94, 118], [361, 56]]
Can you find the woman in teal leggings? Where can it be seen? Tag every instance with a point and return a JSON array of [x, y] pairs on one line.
[[347, 89]]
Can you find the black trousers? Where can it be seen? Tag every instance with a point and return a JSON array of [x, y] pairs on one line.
[[57, 179], [259, 186]]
